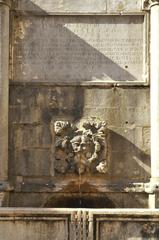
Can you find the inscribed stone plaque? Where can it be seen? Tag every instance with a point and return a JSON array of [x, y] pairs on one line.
[[79, 49]]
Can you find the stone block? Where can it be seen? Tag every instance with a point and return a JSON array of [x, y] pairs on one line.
[[72, 6], [32, 162], [44, 104], [32, 136], [139, 115], [124, 6], [120, 117], [135, 97], [126, 138], [24, 115], [102, 98], [65, 6], [32, 229], [135, 200], [28, 199], [132, 166]]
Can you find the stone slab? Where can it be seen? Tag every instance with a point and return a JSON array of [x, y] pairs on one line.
[[127, 230], [55, 227], [80, 6], [79, 49], [32, 162], [66, 6], [124, 6], [59, 224]]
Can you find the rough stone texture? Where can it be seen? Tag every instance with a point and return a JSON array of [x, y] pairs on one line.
[[41, 223], [4, 199], [34, 229], [48, 7], [73, 49], [128, 230], [32, 109], [37, 101], [124, 6], [91, 200], [93, 6]]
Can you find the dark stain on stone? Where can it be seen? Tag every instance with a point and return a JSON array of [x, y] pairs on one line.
[[47, 116], [78, 103], [80, 201]]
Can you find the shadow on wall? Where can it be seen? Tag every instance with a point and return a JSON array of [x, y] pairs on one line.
[[80, 201], [29, 5], [52, 51], [33, 108], [33, 105], [64, 104], [126, 160]]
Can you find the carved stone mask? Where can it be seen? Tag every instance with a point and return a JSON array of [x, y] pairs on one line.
[[80, 149], [76, 144]]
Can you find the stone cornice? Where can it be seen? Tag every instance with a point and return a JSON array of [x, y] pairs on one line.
[[147, 4], [6, 2], [153, 2]]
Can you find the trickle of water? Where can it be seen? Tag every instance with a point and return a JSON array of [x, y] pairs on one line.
[[80, 192], [80, 202]]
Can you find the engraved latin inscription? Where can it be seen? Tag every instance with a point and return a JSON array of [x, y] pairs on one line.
[[81, 48]]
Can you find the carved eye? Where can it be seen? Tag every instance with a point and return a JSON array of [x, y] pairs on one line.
[[77, 144]]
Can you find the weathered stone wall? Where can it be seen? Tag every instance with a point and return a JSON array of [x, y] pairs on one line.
[[41, 95], [31, 142], [68, 6], [125, 110], [38, 223]]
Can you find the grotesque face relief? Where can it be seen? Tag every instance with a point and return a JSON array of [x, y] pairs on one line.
[[76, 144], [80, 150]]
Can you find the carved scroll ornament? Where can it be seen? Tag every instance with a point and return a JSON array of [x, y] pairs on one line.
[[80, 150], [147, 4]]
